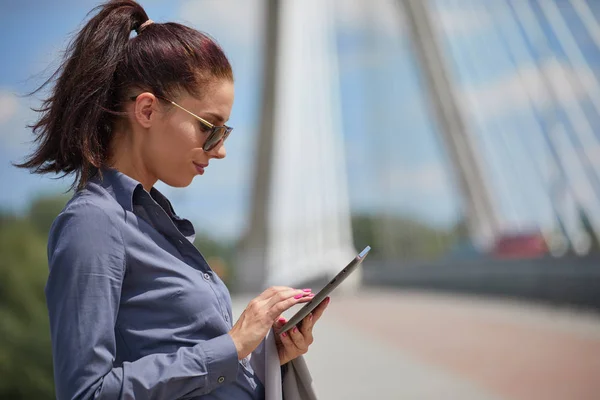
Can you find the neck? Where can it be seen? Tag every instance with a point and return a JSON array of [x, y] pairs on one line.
[[127, 160]]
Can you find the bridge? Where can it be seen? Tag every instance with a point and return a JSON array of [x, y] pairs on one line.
[[528, 180], [516, 315]]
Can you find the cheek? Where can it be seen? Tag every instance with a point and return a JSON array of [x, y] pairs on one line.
[[176, 141], [170, 152]]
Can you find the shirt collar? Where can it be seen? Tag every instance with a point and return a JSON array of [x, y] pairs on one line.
[[123, 189], [119, 185]]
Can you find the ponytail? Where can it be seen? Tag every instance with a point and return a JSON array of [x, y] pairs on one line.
[[103, 61]]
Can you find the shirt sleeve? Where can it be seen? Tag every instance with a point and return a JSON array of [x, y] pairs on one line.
[[86, 256]]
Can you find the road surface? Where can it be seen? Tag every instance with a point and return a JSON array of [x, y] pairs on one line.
[[392, 344]]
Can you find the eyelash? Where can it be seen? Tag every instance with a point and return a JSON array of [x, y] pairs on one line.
[[203, 127]]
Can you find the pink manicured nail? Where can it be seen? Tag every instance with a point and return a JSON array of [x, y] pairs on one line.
[[311, 295], [295, 329], [284, 334], [306, 290], [299, 296], [282, 320], [310, 317]]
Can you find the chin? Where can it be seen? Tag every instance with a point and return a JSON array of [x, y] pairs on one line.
[[179, 182]]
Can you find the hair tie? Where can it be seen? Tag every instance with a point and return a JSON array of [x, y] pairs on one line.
[[144, 26]]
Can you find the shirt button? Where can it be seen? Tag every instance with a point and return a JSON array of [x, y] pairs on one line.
[[206, 276], [221, 379], [226, 317]]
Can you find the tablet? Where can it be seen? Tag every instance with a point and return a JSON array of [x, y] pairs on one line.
[[323, 293]]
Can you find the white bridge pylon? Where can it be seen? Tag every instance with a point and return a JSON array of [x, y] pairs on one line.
[[300, 229]]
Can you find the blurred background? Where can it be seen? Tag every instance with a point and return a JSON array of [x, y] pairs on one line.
[[458, 138]]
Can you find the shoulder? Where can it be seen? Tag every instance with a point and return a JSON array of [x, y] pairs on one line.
[[90, 220], [85, 245]]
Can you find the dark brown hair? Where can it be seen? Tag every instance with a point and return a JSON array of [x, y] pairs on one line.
[[101, 66]]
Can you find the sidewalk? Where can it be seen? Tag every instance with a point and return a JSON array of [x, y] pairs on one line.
[[415, 345]]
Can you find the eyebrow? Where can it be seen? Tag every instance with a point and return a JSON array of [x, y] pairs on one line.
[[215, 117]]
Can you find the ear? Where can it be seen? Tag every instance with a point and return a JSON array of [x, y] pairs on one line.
[[145, 109]]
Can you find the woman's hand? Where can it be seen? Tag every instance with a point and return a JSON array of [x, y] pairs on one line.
[[256, 320], [295, 342]]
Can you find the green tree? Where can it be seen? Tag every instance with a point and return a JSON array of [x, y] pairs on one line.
[[25, 351], [44, 210], [401, 237], [219, 254], [364, 233]]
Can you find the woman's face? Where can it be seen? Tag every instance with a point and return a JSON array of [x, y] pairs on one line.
[[172, 149]]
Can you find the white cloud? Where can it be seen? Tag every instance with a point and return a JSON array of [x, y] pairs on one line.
[[9, 105], [237, 21], [243, 21], [457, 22], [511, 92], [383, 16], [15, 115]]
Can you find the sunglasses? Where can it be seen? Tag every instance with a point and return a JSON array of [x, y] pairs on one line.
[[216, 134]]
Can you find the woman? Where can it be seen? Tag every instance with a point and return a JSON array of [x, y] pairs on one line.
[[135, 310]]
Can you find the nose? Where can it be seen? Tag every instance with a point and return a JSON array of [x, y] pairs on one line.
[[218, 151]]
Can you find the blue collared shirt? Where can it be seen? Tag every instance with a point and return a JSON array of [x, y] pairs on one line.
[[135, 310]]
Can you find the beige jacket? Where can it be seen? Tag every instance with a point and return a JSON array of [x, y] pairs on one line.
[[297, 382]]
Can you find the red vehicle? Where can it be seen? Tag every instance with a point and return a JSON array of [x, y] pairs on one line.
[[520, 245]]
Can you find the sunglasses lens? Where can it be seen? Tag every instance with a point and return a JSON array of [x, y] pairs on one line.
[[214, 138]]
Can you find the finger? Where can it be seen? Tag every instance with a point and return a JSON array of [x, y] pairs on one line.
[[268, 293], [258, 302], [277, 325], [286, 294], [298, 339], [286, 340], [280, 322], [307, 324], [318, 311], [284, 305], [272, 295]]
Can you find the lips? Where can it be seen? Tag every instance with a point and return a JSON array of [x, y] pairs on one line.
[[200, 167]]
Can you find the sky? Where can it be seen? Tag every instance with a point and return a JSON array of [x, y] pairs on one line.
[[394, 155]]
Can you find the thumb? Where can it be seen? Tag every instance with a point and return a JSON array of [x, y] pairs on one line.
[[279, 322]]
